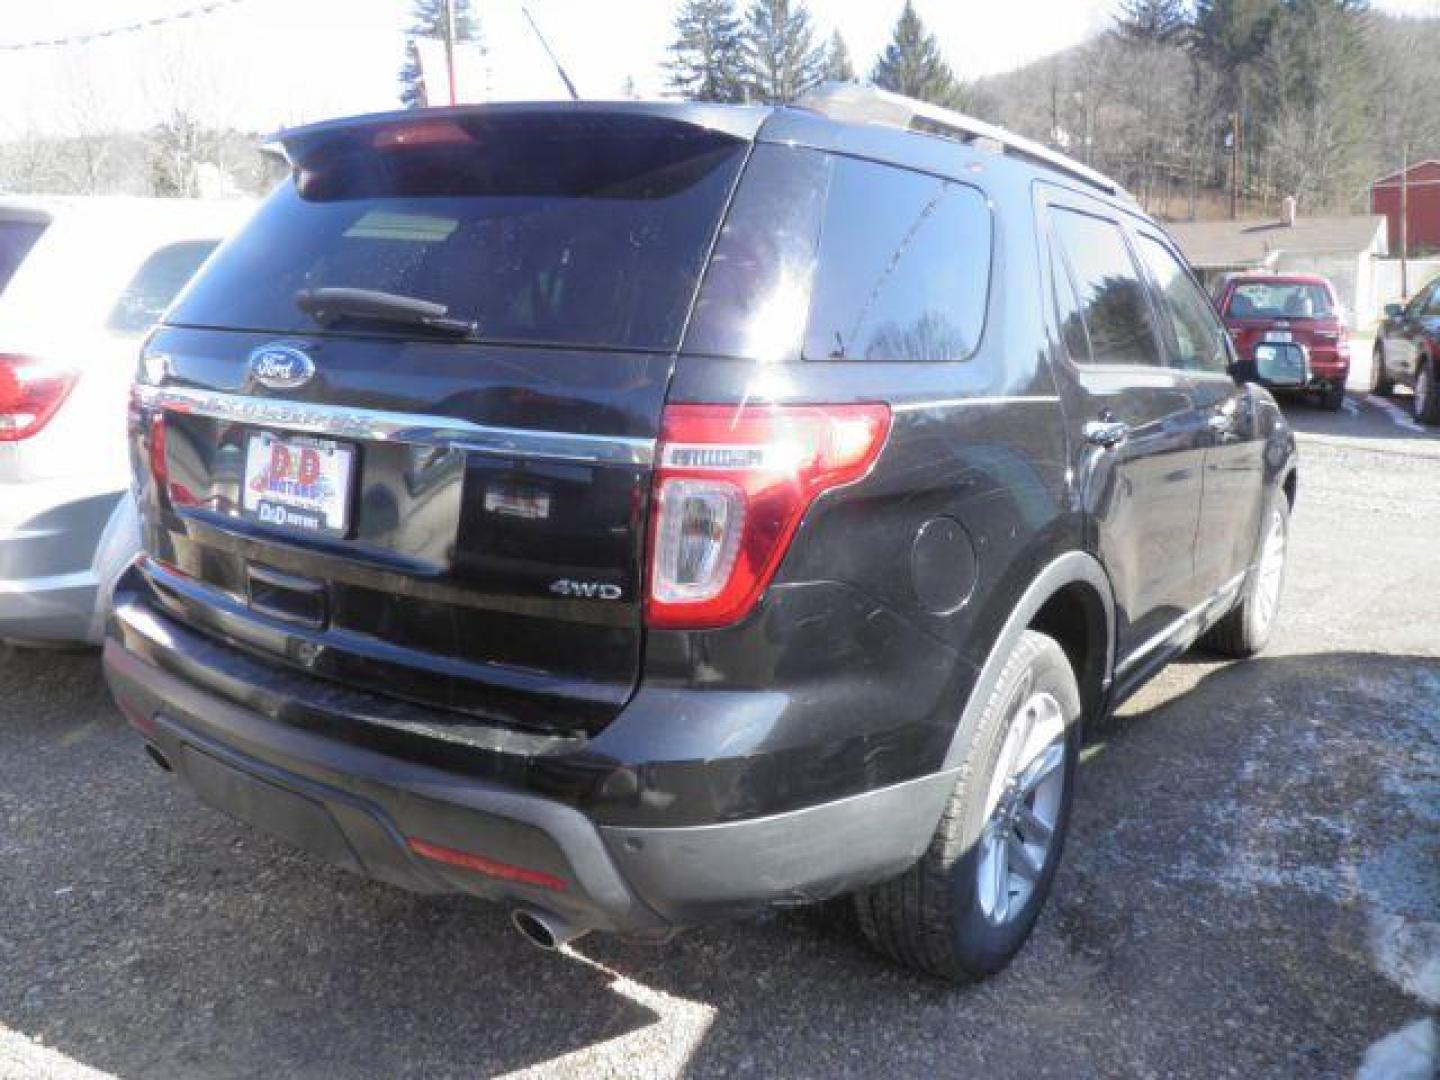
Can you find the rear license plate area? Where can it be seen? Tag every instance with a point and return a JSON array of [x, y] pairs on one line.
[[298, 483]]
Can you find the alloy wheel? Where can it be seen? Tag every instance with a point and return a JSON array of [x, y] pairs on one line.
[[1023, 806], [1271, 572]]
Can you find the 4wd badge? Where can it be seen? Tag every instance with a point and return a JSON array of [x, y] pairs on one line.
[[585, 590]]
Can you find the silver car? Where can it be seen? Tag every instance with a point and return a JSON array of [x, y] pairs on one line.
[[81, 280]]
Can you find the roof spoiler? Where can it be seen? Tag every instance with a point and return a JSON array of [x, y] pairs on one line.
[[740, 122], [869, 105]]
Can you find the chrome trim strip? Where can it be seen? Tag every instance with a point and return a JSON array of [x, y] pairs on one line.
[[375, 425], [1173, 628]]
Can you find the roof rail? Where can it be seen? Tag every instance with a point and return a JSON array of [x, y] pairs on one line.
[[869, 105]]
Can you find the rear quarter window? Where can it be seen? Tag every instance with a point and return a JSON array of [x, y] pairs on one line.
[[825, 257], [16, 240]]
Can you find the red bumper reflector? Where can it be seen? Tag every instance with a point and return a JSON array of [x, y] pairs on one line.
[[481, 865], [138, 719]]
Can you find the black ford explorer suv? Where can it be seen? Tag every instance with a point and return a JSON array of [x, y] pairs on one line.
[[645, 513]]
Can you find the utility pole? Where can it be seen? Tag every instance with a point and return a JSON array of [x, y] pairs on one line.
[[1234, 165], [1404, 217], [450, 46]]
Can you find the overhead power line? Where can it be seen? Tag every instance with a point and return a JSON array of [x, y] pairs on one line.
[[195, 12]]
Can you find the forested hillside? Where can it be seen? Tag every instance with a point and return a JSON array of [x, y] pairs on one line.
[[1187, 102], [1324, 95]]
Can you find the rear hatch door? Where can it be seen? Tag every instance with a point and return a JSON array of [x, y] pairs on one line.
[[409, 412]]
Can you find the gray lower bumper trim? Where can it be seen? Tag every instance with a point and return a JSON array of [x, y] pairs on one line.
[[708, 871]]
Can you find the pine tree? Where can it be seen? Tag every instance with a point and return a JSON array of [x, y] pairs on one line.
[[427, 19], [1161, 21], [913, 65], [707, 62], [838, 67], [782, 60], [1232, 34]]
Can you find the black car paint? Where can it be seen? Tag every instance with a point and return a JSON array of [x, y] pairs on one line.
[[849, 678]]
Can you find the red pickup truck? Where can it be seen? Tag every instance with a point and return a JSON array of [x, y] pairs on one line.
[[1293, 309]]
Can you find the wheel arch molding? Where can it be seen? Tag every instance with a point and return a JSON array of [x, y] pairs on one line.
[[1074, 585]]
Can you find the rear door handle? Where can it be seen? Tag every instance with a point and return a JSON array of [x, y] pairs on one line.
[[1106, 433]]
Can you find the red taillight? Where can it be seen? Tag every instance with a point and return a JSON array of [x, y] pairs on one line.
[[30, 393], [467, 860], [731, 487]]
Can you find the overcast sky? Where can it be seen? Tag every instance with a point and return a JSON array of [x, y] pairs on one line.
[[262, 64]]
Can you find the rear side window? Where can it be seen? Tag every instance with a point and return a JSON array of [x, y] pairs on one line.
[[825, 257], [155, 284], [579, 229], [1196, 334], [16, 240], [1112, 302]]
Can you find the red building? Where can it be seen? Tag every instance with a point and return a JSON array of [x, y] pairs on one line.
[[1422, 203]]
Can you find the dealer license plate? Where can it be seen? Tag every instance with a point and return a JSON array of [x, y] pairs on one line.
[[297, 482]]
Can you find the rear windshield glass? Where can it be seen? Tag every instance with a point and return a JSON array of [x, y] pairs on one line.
[[16, 240], [1279, 300], [585, 230]]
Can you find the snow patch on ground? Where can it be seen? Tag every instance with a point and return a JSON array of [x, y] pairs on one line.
[[1412, 1053], [22, 1057], [1348, 814], [1408, 952]]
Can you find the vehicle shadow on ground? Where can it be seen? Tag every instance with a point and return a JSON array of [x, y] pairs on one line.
[[147, 935]]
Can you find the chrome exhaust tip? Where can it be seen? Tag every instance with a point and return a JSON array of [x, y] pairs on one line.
[[544, 930]]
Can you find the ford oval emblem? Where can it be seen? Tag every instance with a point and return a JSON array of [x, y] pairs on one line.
[[281, 366]]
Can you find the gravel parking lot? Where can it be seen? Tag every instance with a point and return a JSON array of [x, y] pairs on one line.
[[1252, 885]]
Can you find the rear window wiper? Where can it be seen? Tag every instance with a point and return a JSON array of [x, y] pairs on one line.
[[331, 305]]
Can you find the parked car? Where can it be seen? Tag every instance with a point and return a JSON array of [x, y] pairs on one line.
[[81, 281], [1407, 351], [1292, 329], [642, 514]]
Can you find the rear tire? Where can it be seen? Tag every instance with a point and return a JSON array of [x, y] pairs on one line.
[[1332, 400], [966, 908], [1380, 383], [1426, 403], [1246, 628]]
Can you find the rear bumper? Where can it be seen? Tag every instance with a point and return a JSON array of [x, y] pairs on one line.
[[49, 535], [59, 608], [1328, 370], [361, 809]]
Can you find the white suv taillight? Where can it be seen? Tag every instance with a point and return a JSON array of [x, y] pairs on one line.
[[732, 484], [31, 391]]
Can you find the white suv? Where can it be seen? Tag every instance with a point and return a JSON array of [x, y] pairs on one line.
[[81, 280]]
